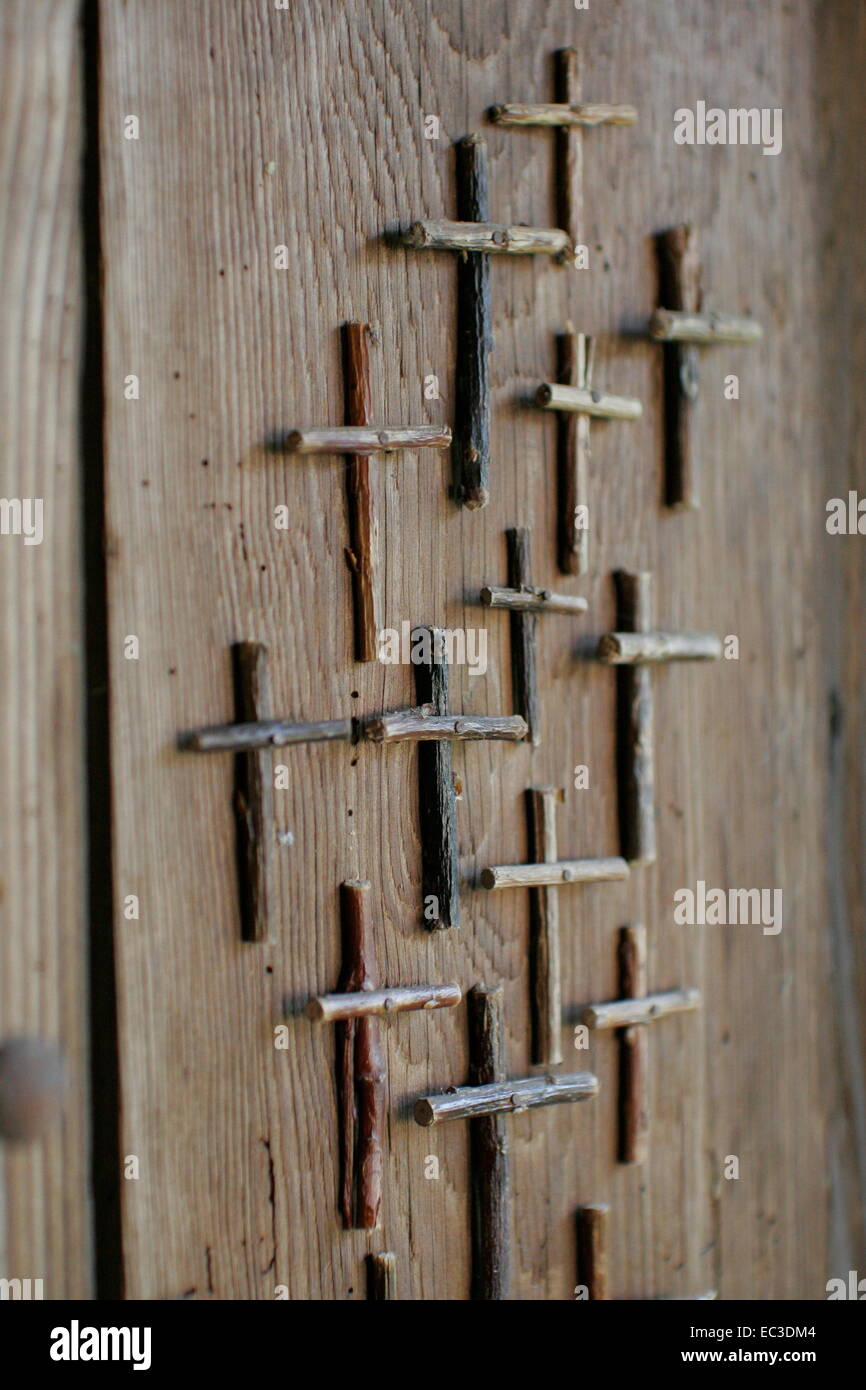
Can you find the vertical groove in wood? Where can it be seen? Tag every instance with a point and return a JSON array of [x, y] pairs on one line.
[[361, 1080], [592, 1244], [568, 88], [382, 1277], [523, 634], [361, 493], [491, 1189], [254, 795], [633, 1085], [636, 770], [474, 334], [438, 806], [680, 288], [545, 968]]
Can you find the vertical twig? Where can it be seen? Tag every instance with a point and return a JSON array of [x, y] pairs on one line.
[[523, 634], [544, 930], [680, 288], [491, 1227], [592, 1249], [360, 1073], [382, 1276], [253, 795], [360, 492], [635, 733], [474, 334], [634, 1109], [437, 804]]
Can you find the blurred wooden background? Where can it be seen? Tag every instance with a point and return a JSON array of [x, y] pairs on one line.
[[305, 127]]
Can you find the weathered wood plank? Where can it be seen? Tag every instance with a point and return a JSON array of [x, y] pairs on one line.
[[44, 1185], [234, 1199]]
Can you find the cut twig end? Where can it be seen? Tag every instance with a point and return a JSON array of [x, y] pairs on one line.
[[608, 648]]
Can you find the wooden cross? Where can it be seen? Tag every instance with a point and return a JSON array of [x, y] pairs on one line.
[[592, 1256], [361, 1078], [486, 1102], [543, 877], [636, 648], [631, 1014], [524, 603], [682, 327], [569, 116], [475, 238], [358, 439], [430, 724], [434, 728], [576, 403]]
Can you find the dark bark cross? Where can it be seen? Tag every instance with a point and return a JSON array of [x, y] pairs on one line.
[[524, 603], [630, 1015], [635, 649], [592, 1256], [544, 877], [683, 328], [475, 238], [486, 1102], [358, 439], [434, 728], [361, 1078]]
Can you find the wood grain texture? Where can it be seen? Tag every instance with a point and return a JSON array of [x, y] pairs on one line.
[[45, 1207], [232, 1185]]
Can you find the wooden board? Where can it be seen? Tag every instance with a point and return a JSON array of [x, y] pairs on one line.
[[44, 1186], [305, 128]]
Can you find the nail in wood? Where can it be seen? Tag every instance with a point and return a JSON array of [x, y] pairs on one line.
[[633, 649], [525, 602], [630, 1014], [592, 1245], [382, 1276], [253, 796], [681, 325]]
